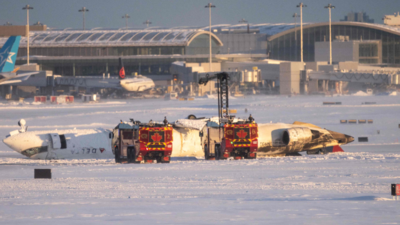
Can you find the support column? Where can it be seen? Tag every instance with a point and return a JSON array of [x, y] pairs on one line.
[[327, 85], [11, 92], [305, 87]]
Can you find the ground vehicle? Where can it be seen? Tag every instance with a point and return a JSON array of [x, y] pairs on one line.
[[171, 96], [241, 141], [143, 142], [229, 137]]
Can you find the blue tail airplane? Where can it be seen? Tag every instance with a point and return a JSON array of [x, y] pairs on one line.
[[8, 56]]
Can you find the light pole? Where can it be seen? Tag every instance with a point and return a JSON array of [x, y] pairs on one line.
[[83, 10], [242, 21], [126, 17], [330, 7], [147, 22], [295, 16], [248, 25], [301, 5], [27, 8], [209, 6], [248, 29]]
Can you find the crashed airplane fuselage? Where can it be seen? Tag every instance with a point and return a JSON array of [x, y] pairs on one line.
[[275, 139]]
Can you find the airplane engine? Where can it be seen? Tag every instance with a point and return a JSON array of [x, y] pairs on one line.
[[297, 137]]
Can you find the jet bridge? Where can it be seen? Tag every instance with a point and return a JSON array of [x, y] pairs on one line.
[[88, 81], [373, 77]]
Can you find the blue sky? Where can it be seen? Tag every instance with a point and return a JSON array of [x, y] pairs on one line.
[[170, 13]]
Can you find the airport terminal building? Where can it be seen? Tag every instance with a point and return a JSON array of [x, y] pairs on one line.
[[152, 51], [374, 38], [94, 52]]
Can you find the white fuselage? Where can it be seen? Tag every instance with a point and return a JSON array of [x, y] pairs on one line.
[[137, 84], [86, 144]]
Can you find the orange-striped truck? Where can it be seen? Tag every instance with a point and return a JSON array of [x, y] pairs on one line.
[[146, 143], [240, 141]]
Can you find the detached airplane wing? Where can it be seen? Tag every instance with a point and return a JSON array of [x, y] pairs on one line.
[[12, 79]]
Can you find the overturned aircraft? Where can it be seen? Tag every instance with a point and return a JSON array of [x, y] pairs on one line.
[[275, 139]]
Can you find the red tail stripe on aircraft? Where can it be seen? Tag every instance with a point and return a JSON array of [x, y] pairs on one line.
[[122, 73], [337, 148]]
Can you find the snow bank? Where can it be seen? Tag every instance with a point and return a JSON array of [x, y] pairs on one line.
[[342, 188], [360, 93]]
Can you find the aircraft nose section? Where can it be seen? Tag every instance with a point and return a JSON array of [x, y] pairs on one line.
[[12, 142]]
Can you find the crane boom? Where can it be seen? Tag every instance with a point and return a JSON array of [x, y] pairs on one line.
[[223, 92]]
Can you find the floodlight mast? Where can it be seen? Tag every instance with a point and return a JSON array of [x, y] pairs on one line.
[[210, 6], [242, 21], [301, 5], [126, 17], [295, 16], [27, 8], [248, 25], [147, 22], [330, 7], [83, 10]]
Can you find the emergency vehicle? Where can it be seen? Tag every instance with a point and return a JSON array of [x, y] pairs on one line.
[[241, 141], [143, 142], [229, 137]]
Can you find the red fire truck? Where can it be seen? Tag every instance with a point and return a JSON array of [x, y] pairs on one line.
[[241, 141], [143, 142]]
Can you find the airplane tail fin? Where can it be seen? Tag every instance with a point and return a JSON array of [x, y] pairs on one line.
[[333, 149], [337, 148], [121, 69], [8, 54]]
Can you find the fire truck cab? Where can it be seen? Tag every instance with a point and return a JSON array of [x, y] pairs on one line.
[[240, 141], [234, 138], [143, 142]]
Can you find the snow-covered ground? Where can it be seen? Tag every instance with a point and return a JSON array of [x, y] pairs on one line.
[[343, 188]]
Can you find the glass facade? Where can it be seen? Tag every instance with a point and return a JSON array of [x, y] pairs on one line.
[[93, 67], [287, 47], [98, 67], [368, 53], [200, 45], [102, 51]]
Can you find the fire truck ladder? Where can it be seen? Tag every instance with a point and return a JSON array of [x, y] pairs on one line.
[[223, 97], [223, 92]]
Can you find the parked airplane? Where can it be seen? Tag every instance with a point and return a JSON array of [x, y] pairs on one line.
[[136, 84], [275, 139], [8, 56]]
